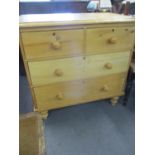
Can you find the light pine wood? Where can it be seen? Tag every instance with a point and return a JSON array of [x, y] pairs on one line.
[[112, 39], [55, 44], [108, 65], [40, 20], [76, 58], [44, 114], [74, 92], [46, 72], [58, 72], [114, 100]]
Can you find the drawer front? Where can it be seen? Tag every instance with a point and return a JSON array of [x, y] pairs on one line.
[[56, 44], [69, 93], [51, 71], [102, 40]]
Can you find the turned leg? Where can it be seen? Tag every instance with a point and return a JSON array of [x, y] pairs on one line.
[[44, 114], [114, 100]]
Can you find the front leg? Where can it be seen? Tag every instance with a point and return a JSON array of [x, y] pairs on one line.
[[114, 100], [44, 114]]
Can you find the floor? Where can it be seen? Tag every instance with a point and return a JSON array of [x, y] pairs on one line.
[[96, 128]]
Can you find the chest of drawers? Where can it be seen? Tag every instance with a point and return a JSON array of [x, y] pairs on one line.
[[75, 58]]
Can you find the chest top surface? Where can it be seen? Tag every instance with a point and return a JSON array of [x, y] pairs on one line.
[[37, 20]]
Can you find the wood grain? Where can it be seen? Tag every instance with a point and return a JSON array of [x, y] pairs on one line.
[[80, 91], [75, 58], [40, 20], [55, 44], [31, 135], [27, 72], [106, 40], [46, 72]]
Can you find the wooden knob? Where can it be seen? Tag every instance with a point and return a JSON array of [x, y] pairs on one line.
[[58, 72], [105, 88], [112, 40], [108, 65], [59, 96], [56, 44]]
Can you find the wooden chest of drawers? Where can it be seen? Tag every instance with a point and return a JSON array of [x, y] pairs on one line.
[[75, 58]]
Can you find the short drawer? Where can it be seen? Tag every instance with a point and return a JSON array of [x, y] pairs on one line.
[[56, 44], [61, 70], [114, 39], [74, 92]]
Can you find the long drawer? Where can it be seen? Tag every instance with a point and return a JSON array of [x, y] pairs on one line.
[[74, 92], [112, 39], [55, 44], [61, 70]]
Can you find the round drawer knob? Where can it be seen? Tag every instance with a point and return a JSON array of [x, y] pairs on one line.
[[58, 72], [108, 65], [104, 88], [59, 96], [56, 44], [112, 40]]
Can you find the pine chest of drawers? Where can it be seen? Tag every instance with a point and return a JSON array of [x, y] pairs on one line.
[[75, 58]]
